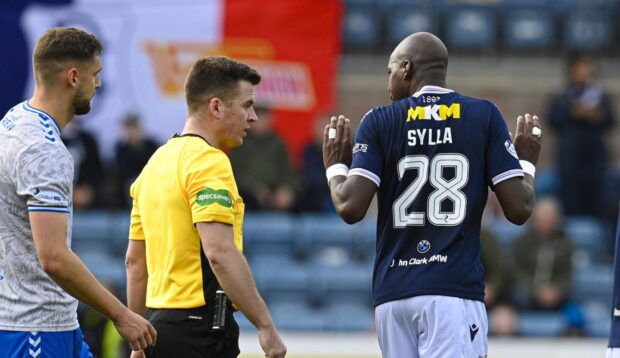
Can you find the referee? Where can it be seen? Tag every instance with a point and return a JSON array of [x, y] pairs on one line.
[[185, 236]]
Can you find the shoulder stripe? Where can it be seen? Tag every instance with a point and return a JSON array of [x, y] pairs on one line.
[[366, 174], [43, 116], [49, 209], [507, 175]]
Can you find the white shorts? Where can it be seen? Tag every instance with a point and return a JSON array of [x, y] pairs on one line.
[[432, 327], [613, 352]]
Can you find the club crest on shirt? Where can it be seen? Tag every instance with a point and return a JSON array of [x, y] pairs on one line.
[[360, 147], [511, 149], [424, 246], [208, 196]]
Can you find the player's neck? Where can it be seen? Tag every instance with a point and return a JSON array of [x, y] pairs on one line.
[[428, 82], [52, 103], [200, 127]]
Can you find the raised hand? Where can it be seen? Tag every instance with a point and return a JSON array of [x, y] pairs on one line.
[[528, 138], [337, 147]]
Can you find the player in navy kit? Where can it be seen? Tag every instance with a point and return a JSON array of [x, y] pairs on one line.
[[430, 156], [613, 350]]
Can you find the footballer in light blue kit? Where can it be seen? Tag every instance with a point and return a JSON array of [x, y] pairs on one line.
[[40, 277], [431, 157]]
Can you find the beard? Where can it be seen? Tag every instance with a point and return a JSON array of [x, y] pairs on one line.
[[81, 105]]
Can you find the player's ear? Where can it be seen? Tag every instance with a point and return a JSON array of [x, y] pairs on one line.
[[71, 76], [407, 69], [215, 107]]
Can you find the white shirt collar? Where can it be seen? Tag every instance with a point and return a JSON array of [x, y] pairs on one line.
[[432, 90]]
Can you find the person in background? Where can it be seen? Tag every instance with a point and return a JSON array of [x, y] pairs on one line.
[[89, 174], [581, 115], [132, 152], [543, 265], [265, 176], [313, 194]]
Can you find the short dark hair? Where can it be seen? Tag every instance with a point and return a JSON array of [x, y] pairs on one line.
[[60, 45], [216, 76], [576, 57]]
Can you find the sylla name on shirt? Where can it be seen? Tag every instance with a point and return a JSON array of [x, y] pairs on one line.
[[429, 136]]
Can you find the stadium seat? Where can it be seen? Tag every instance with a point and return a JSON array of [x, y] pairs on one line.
[[297, 316], [598, 319], [406, 19], [471, 27], [361, 24], [106, 268], [593, 283], [326, 237], [541, 324], [365, 239], [528, 28], [119, 231], [547, 182], [271, 234], [243, 322], [348, 282], [527, 3], [91, 232], [349, 316], [587, 234], [281, 275], [506, 232], [589, 29]]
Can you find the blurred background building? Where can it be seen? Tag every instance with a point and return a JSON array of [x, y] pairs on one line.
[[555, 58]]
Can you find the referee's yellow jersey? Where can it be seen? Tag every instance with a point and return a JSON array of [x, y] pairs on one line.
[[185, 182]]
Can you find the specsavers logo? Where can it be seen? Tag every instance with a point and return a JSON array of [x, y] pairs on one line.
[[208, 196]]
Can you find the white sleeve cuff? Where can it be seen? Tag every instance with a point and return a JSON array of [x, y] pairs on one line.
[[366, 174], [507, 175]]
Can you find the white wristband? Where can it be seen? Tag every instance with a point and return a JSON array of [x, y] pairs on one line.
[[528, 167], [335, 170]]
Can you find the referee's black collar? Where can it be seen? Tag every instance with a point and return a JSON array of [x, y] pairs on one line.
[[176, 135]]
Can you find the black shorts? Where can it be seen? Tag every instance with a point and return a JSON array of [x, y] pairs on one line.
[[187, 333]]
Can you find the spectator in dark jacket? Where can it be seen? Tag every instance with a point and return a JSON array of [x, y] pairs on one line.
[[582, 115]]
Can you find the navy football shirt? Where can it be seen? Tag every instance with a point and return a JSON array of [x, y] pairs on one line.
[[614, 334], [433, 157]]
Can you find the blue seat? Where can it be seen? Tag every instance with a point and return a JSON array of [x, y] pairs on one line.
[[589, 30], [505, 231], [348, 282], [281, 275], [528, 28], [541, 324], [598, 319], [526, 3], [297, 316], [593, 283], [325, 234], [365, 239], [271, 234], [106, 268], [243, 322], [407, 19], [586, 234], [361, 24], [471, 27], [91, 232], [119, 230], [350, 316]]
